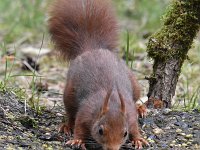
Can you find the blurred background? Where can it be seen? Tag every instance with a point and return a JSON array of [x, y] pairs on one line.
[[29, 66]]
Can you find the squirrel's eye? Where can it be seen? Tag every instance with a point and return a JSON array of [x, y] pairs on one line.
[[101, 131], [125, 134]]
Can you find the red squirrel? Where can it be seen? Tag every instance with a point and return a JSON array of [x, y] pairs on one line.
[[101, 91]]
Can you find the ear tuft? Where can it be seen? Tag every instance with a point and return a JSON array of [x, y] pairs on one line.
[[105, 107], [122, 101]]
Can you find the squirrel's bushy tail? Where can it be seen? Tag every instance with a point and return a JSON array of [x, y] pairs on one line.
[[80, 25]]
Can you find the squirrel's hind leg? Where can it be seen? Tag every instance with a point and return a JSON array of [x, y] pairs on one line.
[[141, 108]]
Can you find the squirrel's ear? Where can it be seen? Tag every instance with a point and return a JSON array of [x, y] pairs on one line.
[[105, 104], [122, 102]]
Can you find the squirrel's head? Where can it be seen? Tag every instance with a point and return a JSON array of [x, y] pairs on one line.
[[111, 128]]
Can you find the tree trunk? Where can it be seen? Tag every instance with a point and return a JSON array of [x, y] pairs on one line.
[[169, 47]]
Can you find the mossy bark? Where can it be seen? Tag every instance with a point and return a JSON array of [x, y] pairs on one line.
[[169, 47]]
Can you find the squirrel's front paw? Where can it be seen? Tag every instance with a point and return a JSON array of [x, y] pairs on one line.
[[64, 127], [77, 143], [138, 142]]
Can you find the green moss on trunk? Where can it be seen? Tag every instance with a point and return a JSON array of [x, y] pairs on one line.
[[174, 39], [169, 47]]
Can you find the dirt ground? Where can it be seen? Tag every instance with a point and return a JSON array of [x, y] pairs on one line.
[[164, 129]]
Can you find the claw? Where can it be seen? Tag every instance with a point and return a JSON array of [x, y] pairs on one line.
[[76, 143], [138, 142], [66, 129], [142, 110]]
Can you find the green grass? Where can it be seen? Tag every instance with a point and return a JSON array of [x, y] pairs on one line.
[[189, 81], [22, 18], [142, 18], [7, 83], [21, 21], [145, 14]]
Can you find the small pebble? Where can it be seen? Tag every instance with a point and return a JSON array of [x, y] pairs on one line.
[[188, 143], [191, 140], [183, 134], [189, 136], [48, 134], [184, 144], [151, 141], [178, 130], [166, 111], [181, 139], [167, 128], [44, 145], [59, 114], [173, 141], [158, 131]]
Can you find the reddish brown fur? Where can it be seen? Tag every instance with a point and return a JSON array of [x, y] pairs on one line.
[[69, 94], [135, 86], [105, 105], [84, 31], [78, 25]]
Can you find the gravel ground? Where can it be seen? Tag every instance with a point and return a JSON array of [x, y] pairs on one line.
[[164, 129]]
